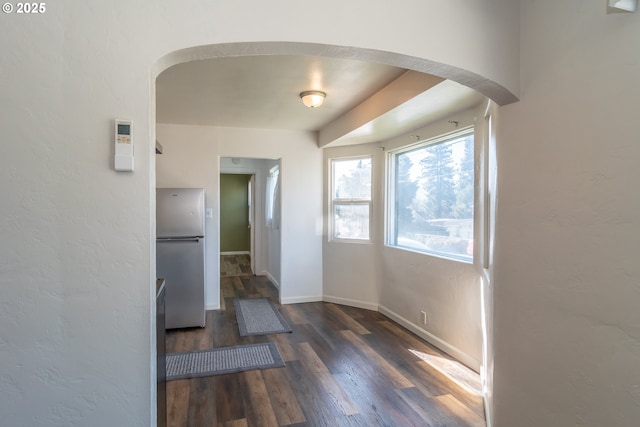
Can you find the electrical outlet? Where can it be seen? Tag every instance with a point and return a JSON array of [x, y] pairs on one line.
[[423, 317]]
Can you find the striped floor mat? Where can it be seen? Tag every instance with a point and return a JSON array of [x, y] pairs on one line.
[[224, 360]]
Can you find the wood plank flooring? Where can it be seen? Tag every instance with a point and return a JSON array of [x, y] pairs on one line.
[[235, 265], [344, 367]]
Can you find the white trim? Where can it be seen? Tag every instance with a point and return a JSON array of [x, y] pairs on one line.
[[212, 307], [348, 201], [351, 302], [460, 355], [299, 300], [390, 221], [440, 138], [487, 389], [253, 197], [236, 253], [272, 279]]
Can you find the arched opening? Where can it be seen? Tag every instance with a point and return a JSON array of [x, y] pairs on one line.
[[490, 89], [499, 94]]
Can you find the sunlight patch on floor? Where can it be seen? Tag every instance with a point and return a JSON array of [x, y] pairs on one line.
[[455, 371]]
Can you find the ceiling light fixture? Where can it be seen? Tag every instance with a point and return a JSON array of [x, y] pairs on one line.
[[312, 98], [624, 5]]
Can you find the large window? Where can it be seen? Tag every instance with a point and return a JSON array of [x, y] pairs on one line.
[[431, 196], [350, 198]]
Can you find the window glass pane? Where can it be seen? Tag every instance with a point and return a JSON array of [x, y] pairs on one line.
[[434, 190], [270, 196], [351, 221], [352, 178]]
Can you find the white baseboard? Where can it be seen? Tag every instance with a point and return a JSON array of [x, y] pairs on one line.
[[460, 355], [351, 302], [236, 253], [272, 279], [212, 307], [299, 300]]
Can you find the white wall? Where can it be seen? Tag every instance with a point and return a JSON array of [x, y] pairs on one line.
[[350, 270], [191, 158], [449, 291], [77, 259], [567, 313]]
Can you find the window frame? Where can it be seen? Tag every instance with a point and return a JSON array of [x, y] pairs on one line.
[[391, 223], [344, 201], [272, 217]]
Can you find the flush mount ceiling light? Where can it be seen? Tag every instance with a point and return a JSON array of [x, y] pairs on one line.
[[624, 5], [312, 98]]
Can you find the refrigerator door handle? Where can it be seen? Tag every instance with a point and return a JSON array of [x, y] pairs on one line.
[[180, 239]]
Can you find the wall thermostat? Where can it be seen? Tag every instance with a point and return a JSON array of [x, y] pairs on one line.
[[124, 146]]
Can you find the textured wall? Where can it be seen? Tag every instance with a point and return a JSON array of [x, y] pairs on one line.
[[567, 320], [77, 256]]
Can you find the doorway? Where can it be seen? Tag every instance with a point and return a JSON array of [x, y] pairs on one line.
[[236, 216], [236, 224], [252, 237]]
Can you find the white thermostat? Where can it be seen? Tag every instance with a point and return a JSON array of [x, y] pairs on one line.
[[124, 146]]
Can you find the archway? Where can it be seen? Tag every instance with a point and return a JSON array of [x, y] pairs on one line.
[[492, 90], [499, 94]]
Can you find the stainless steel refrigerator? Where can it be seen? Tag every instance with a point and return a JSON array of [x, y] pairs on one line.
[[180, 254]]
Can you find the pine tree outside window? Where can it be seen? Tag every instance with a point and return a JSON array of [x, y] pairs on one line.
[[432, 197]]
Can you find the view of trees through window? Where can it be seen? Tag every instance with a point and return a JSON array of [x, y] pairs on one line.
[[434, 195]]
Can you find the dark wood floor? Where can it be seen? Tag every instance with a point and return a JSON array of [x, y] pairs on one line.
[[344, 367]]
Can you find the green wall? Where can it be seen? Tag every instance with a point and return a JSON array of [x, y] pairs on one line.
[[235, 234]]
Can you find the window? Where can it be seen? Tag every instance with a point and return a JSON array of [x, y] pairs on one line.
[[272, 202], [350, 198], [431, 195]]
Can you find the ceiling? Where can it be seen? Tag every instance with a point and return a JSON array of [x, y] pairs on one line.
[[365, 101]]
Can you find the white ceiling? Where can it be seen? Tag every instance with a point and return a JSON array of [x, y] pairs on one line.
[[365, 101]]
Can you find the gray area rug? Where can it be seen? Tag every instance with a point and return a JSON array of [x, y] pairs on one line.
[[224, 360], [259, 316]]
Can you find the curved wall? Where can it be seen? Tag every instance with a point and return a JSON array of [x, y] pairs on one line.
[[77, 258]]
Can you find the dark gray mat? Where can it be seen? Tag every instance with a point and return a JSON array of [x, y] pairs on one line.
[[259, 316], [225, 360]]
